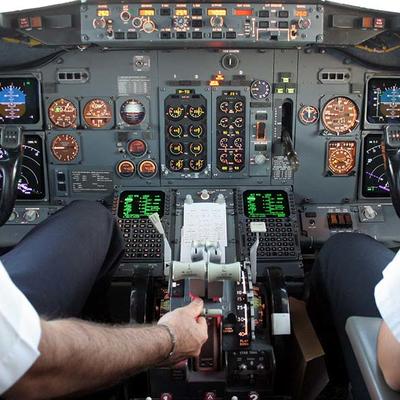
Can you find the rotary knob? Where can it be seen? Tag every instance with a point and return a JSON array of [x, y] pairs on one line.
[[260, 159], [149, 26], [217, 21], [30, 216], [368, 212], [13, 216]]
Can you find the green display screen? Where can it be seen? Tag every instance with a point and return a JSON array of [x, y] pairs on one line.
[[140, 204], [266, 204]]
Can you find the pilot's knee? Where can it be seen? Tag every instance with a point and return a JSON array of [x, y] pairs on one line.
[[91, 212], [343, 241]]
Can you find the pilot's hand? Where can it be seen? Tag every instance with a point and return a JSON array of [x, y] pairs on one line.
[[189, 328]]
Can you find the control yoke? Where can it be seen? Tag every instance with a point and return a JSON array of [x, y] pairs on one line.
[[10, 164], [391, 151]]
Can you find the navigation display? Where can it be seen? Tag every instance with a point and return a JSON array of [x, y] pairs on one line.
[[383, 100], [31, 184], [140, 204], [266, 204], [374, 180], [19, 101]]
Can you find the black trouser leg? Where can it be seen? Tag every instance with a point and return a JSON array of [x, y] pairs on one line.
[[59, 262], [342, 284]]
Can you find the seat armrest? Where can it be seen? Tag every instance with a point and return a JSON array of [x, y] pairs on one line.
[[363, 336]]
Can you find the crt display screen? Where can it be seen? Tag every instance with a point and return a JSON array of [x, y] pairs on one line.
[[383, 100], [140, 204], [266, 204], [31, 184], [19, 101]]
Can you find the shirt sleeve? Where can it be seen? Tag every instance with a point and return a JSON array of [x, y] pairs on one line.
[[20, 333], [387, 296]]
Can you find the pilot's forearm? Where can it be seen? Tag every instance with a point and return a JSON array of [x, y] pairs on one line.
[[77, 356], [389, 357]]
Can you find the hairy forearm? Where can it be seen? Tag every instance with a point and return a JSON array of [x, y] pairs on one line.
[[78, 356], [389, 357]]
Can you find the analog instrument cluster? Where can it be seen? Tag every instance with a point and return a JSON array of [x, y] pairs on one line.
[[185, 117], [231, 131], [95, 113]]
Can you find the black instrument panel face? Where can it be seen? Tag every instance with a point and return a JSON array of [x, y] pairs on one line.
[[31, 184], [266, 204], [140, 204], [374, 180], [383, 100], [19, 100]]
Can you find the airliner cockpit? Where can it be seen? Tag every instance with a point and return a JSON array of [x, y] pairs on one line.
[[199, 200]]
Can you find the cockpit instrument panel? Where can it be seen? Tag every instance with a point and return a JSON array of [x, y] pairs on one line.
[[383, 100], [140, 204], [266, 204], [19, 100], [31, 184], [374, 180]]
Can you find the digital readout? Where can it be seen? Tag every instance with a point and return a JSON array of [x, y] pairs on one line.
[[136, 205], [266, 204], [19, 101]]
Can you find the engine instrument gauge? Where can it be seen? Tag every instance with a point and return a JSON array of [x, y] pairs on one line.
[[132, 112], [63, 113], [196, 113], [196, 130], [196, 165], [65, 148], [175, 112], [340, 115], [175, 131], [341, 157], [97, 113], [374, 180], [176, 165], [260, 89], [308, 115]]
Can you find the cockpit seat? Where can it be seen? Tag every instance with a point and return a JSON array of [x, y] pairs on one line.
[[363, 336]]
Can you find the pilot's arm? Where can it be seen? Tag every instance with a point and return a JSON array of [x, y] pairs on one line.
[[48, 359], [387, 296]]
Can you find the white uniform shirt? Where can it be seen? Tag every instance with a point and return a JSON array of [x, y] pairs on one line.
[[19, 333], [387, 296]]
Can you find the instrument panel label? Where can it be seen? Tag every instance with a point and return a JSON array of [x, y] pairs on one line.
[[92, 181]]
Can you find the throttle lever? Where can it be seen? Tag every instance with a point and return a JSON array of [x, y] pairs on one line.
[[391, 151]]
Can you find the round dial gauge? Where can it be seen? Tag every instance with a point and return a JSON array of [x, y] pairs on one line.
[[137, 147], [132, 112], [63, 113], [196, 130], [196, 113], [65, 148], [308, 115], [340, 115], [97, 113], [260, 89], [147, 168], [175, 112], [175, 131], [126, 168], [341, 157], [176, 165], [196, 165]]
